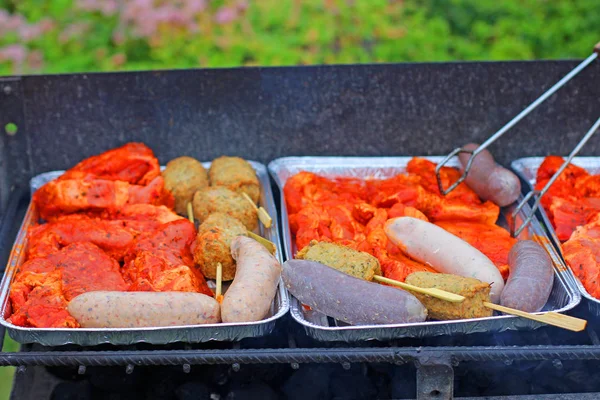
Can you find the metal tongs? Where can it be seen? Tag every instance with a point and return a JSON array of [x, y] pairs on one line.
[[537, 194], [504, 129]]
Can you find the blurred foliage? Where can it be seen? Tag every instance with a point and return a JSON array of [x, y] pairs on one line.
[[7, 373], [38, 36]]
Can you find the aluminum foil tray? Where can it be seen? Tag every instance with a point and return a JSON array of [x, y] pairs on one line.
[[158, 335], [527, 168], [564, 295]]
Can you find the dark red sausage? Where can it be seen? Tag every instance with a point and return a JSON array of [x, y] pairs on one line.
[[349, 299], [488, 180], [531, 277]]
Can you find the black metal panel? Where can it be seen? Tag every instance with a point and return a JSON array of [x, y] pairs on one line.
[[264, 113]]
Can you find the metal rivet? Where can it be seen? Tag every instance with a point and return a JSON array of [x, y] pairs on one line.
[[21, 369], [7, 90], [346, 365], [557, 364], [295, 365], [81, 370], [129, 369], [186, 368], [235, 367]]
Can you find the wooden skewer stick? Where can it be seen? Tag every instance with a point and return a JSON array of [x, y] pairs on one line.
[[190, 212], [267, 243], [218, 295], [550, 318], [433, 292], [263, 215]]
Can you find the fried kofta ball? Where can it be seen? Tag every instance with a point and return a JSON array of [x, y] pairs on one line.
[[220, 199], [213, 243], [236, 174], [183, 177]]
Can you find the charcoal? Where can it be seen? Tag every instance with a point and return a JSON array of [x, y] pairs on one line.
[[72, 391], [115, 378], [257, 390], [193, 391], [309, 382], [351, 385]]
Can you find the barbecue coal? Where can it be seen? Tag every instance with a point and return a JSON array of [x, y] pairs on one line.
[[72, 391], [193, 391], [256, 390]]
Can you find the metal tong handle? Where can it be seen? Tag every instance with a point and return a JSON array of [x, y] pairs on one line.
[[539, 193], [506, 127]]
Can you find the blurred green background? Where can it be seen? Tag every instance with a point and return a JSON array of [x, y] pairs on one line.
[[59, 36], [38, 36]]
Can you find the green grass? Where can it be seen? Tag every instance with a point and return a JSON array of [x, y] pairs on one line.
[[7, 373]]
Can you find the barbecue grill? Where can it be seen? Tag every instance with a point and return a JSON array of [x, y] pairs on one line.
[[266, 113]]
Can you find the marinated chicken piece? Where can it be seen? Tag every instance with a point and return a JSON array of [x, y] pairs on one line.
[[425, 169], [582, 252], [68, 196], [352, 262], [45, 307], [134, 163], [213, 245], [86, 268], [43, 286], [564, 188], [183, 177], [235, 174], [49, 238], [151, 257], [222, 200], [141, 212], [474, 291], [567, 214]]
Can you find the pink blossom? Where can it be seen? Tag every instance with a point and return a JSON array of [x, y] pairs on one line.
[[35, 60], [15, 53], [73, 31], [194, 6], [226, 15]]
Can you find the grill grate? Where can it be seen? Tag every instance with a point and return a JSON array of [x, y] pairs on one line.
[[439, 361]]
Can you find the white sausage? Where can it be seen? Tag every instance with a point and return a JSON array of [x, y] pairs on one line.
[[257, 274], [443, 251], [105, 309]]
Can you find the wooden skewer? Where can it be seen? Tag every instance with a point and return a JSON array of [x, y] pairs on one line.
[[267, 243], [263, 215], [190, 212], [550, 318], [433, 292], [218, 295]]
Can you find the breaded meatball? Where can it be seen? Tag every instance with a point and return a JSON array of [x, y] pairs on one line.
[[183, 177], [352, 262], [220, 199], [213, 245], [474, 291], [236, 174]]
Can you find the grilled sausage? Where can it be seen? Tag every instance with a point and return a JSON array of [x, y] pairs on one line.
[[488, 180], [257, 274], [531, 277], [349, 299], [143, 309], [443, 251]]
